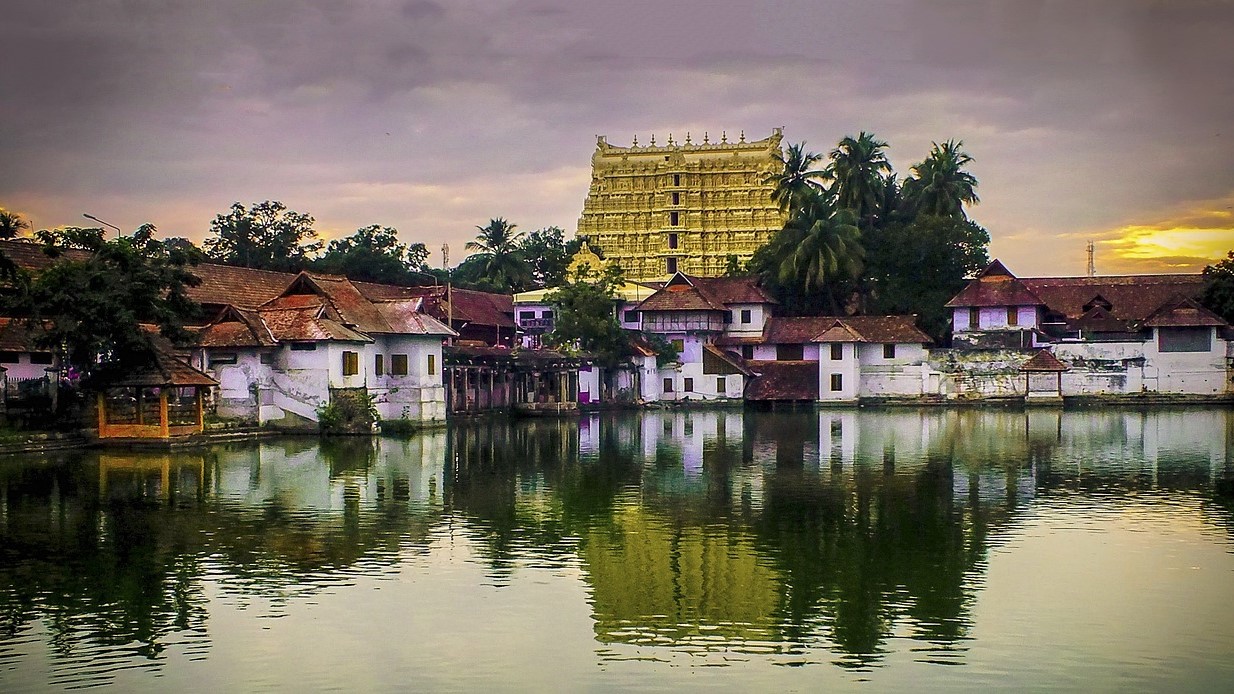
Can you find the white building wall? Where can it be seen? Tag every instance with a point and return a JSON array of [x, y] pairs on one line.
[[24, 368], [759, 314], [847, 367], [420, 395]]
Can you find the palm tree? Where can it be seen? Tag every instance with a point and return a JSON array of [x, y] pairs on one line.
[[796, 178], [818, 253], [497, 247], [856, 174], [11, 224], [939, 185]]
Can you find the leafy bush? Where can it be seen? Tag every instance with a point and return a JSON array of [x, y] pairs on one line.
[[349, 412]]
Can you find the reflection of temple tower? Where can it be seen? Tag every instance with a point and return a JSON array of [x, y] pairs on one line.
[[656, 209]]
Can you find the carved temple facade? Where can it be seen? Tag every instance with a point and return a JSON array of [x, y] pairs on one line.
[[655, 210]]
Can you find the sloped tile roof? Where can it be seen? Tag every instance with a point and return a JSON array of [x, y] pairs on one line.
[[236, 328], [403, 316], [1182, 312], [1131, 297], [783, 381], [167, 370], [16, 337], [875, 329], [689, 293], [1044, 361], [307, 324], [238, 286], [795, 330]]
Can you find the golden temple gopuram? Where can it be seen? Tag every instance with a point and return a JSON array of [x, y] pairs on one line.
[[656, 209]]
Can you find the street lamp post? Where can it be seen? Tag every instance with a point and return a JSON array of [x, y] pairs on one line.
[[113, 226]]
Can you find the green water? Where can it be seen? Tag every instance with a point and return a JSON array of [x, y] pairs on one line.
[[906, 550]]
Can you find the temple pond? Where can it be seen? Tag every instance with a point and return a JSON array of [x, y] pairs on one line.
[[867, 550]]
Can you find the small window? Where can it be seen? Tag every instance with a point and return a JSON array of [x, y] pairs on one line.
[[1013, 315], [40, 357], [432, 364], [351, 363], [379, 364], [674, 218], [974, 314], [689, 385], [668, 385], [676, 198], [304, 346], [398, 364], [526, 315], [745, 315], [676, 179], [721, 384], [9, 358], [222, 359], [747, 351], [790, 352], [547, 315], [837, 351], [672, 239], [889, 351], [728, 317], [267, 358], [679, 345], [670, 265], [631, 316], [837, 382]]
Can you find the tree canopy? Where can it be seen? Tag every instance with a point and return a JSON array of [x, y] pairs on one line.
[[584, 316], [92, 309], [866, 242], [266, 236], [1219, 288], [374, 254]]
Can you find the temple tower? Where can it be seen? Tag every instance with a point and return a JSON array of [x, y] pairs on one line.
[[681, 206]]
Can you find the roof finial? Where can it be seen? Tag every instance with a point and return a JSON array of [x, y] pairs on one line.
[[635, 141], [723, 137], [653, 139], [705, 140], [743, 136], [670, 139], [687, 137]]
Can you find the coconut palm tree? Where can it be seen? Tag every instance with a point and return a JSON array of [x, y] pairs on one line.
[[11, 224], [797, 177], [856, 172], [497, 247], [939, 185]]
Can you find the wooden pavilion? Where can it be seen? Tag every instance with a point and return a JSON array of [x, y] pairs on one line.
[[160, 401]]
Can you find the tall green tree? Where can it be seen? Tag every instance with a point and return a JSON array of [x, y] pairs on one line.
[[1219, 288], [266, 236], [585, 316], [92, 308], [856, 174], [916, 267], [11, 226], [812, 264], [374, 254], [797, 179], [547, 254], [940, 186], [498, 258]]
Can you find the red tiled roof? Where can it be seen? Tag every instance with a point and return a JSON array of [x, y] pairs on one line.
[[688, 293], [403, 316], [307, 324], [1182, 312], [1131, 297], [795, 330], [1044, 361], [239, 286], [16, 337], [995, 286], [875, 329], [167, 370], [783, 380], [236, 328]]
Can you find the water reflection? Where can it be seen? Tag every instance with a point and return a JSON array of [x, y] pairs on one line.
[[835, 535]]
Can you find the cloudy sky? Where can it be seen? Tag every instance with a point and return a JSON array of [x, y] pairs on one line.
[[1110, 120]]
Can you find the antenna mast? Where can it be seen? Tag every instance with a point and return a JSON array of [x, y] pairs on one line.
[[1092, 267]]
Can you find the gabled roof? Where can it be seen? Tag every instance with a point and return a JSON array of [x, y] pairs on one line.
[[1044, 361], [1130, 297], [783, 381], [165, 370], [795, 330], [235, 327], [1099, 320], [307, 324], [688, 293], [874, 329], [1181, 312], [244, 287], [723, 361], [403, 316], [995, 286], [347, 305]]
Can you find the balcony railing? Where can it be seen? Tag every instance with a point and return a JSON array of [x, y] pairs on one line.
[[652, 323]]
